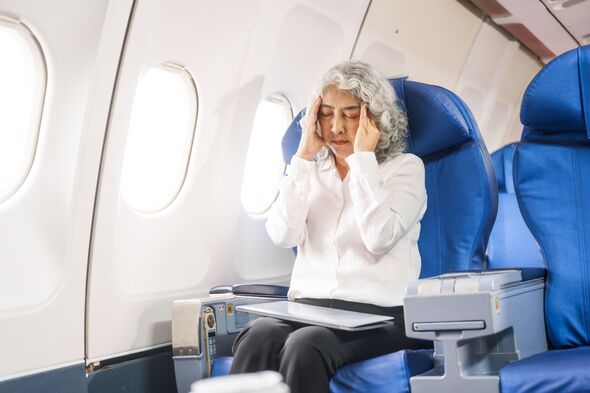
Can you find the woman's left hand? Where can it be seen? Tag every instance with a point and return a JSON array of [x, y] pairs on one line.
[[367, 135]]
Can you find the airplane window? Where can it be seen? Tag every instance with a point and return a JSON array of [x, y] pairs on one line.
[[22, 92], [264, 163], [161, 132]]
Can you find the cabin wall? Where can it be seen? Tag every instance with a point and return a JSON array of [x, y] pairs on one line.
[[45, 224], [450, 43], [236, 54]]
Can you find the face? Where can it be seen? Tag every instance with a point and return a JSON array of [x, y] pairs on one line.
[[339, 120]]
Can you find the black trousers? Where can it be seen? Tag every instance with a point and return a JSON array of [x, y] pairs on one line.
[[308, 356]]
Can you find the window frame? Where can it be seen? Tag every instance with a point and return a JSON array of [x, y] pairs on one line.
[[183, 71], [281, 99], [40, 64]]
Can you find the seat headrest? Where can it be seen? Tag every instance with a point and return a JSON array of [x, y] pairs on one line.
[[502, 160], [556, 104], [438, 120]]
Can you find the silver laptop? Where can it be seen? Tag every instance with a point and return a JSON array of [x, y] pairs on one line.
[[317, 315]]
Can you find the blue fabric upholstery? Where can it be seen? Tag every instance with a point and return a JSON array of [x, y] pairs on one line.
[[556, 104], [558, 371], [553, 190], [221, 366], [511, 243], [387, 373], [462, 204], [551, 164], [383, 374], [290, 141], [460, 182], [439, 119], [554, 193], [502, 160]]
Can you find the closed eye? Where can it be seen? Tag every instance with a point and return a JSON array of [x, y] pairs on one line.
[[353, 114]]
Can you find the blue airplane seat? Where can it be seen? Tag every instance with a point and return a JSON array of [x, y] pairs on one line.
[[460, 181], [462, 203], [551, 167], [511, 243]]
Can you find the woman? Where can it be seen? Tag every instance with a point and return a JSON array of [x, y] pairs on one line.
[[352, 203]]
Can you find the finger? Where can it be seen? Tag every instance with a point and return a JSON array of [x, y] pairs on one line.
[[366, 116], [321, 138], [313, 115]]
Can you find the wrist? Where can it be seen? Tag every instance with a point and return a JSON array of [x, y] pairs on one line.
[[360, 149], [305, 156]]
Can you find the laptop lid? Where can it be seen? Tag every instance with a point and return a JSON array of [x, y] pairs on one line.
[[317, 315]]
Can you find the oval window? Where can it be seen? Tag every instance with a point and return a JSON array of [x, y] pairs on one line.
[[160, 139], [23, 77], [264, 163]]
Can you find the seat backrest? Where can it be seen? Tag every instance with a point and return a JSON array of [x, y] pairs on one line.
[[511, 243], [460, 182], [551, 167]]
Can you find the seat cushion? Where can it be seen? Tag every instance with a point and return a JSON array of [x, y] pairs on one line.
[[387, 373], [557, 371]]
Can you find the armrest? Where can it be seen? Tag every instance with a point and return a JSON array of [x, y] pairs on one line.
[[221, 289], [257, 290], [479, 322], [529, 273], [264, 290], [526, 273]]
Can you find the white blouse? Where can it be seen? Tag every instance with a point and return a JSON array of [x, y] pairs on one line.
[[357, 237]]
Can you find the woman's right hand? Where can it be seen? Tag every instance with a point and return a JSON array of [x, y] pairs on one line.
[[311, 142]]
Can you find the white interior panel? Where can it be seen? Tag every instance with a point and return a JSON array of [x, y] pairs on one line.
[[573, 15], [496, 72], [540, 22], [448, 43], [237, 53], [45, 225], [427, 40], [515, 128]]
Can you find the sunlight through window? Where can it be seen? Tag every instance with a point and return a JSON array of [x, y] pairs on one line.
[[161, 132], [22, 91], [264, 164]]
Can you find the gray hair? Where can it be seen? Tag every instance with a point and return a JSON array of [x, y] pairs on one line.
[[367, 84]]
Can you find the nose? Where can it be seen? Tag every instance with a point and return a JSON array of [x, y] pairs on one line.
[[337, 125]]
